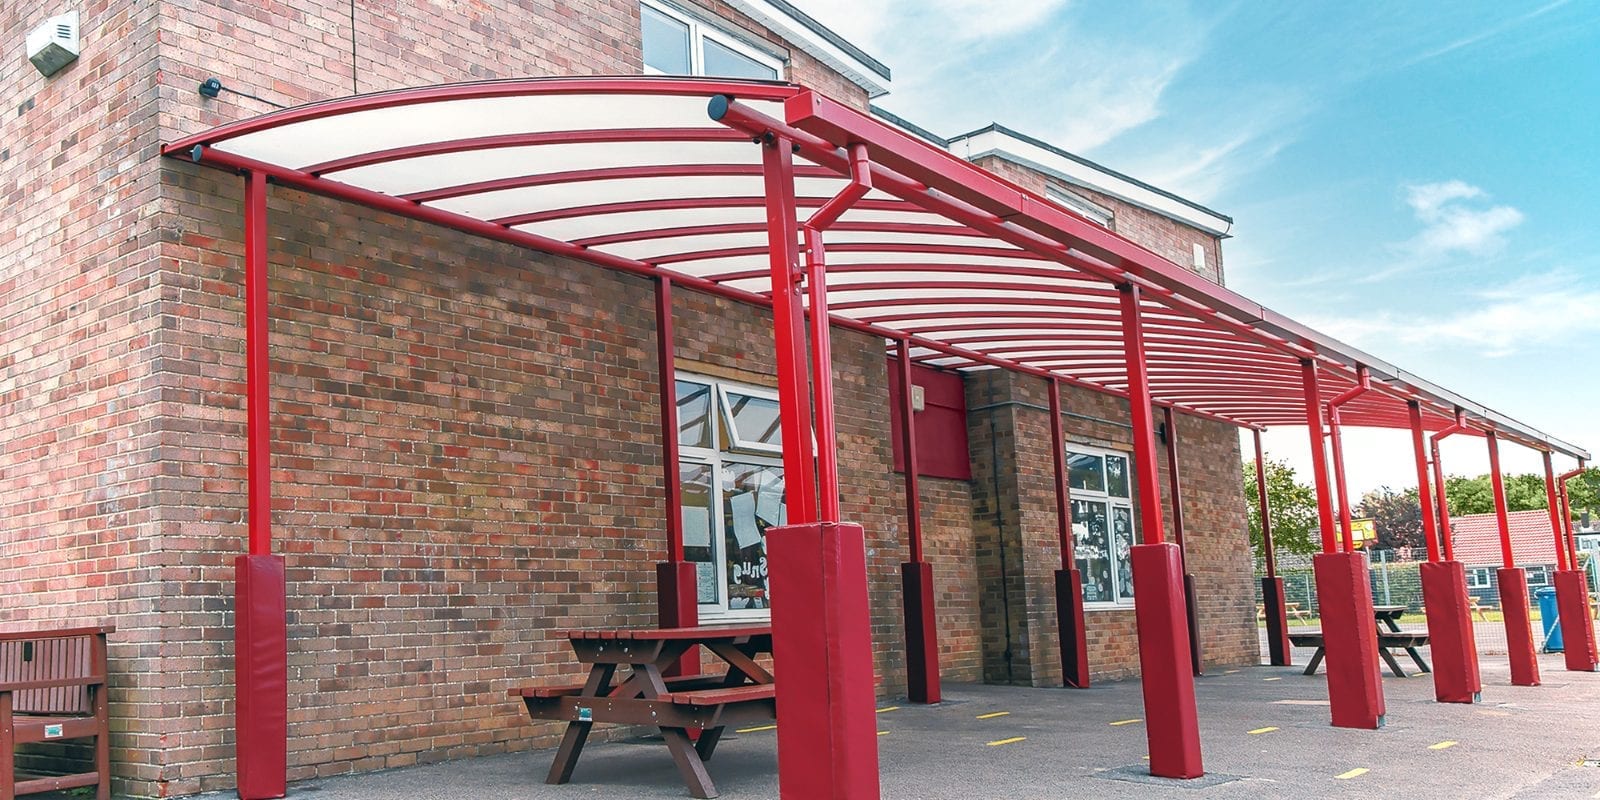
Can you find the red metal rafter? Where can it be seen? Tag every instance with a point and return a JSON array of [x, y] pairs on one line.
[[602, 174], [503, 141]]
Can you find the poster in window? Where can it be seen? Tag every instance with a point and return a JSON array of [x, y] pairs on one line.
[[705, 582], [745, 532], [1117, 476], [696, 526], [1122, 534], [1093, 553]]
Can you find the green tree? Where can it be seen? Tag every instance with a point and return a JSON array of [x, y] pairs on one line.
[[1396, 515], [1293, 508], [1583, 493], [1476, 495]]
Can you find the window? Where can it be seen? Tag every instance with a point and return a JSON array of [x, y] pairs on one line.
[[1478, 578], [731, 473], [1538, 575], [1096, 213], [1102, 524], [678, 44]]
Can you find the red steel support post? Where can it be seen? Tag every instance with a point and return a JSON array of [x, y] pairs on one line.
[[1336, 438], [1456, 678], [1446, 535], [822, 375], [261, 661], [827, 744], [1572, 584], [1175, 483], [1069, 579], [1172, 720], [1272, 597], [916, 575], [677, 601], [1344, 597], [1513, 583]]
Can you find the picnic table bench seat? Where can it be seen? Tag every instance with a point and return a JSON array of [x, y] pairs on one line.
[[53, 689], [1405, 640]]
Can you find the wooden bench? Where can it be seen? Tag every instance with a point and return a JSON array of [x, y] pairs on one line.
[[1406, 640], [53, 689]]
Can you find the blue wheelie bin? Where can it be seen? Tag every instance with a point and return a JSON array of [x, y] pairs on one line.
[[1549, 614]]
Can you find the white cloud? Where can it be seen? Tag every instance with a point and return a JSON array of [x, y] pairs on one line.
[[1532, 312], [1456, 220], [979, 19]]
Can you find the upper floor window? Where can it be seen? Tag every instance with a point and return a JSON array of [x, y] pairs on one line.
[[1095, 212], [1102, 524], [676, 43]]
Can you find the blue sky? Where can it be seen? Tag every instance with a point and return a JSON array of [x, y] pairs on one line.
[[1417, 179]]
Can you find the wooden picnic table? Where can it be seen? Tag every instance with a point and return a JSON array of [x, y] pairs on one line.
[[705, 703], [1390, 635]]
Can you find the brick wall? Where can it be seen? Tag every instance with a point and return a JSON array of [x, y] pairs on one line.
[[81, 354], [1163, 235]]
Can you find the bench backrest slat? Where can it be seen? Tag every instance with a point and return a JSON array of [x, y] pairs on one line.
[[49, 658]]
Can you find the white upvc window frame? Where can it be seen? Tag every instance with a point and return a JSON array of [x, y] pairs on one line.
[[1094, 212], [1480, 578], [1543, 572], [699, 32], [1112, 502], [717, 458], [725, 412]]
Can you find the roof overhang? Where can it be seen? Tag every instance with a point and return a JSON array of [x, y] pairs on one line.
[[974, 272]]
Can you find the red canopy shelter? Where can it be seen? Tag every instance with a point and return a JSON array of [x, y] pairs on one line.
[[720, 186]]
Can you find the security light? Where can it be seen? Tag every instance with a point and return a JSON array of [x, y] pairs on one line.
[[54, 45]]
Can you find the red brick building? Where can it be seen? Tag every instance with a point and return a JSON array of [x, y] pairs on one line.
[[449, 486]]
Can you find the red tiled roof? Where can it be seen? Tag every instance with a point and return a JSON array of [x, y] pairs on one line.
[[1477, 542]]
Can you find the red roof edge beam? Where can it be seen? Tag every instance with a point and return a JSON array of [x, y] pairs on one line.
[[260, 630], [821, 631], [1513, 583], [1069, 579], [1581, 650], [1172, 720], [1175, 482], [677, 598], [1272, 598], [1456, 678], [916, 575], [1344, 595]]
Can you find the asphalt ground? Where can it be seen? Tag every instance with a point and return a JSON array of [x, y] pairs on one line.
[[1264, 732]]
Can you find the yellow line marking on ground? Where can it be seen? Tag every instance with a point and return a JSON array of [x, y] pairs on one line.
[[757, 729], [888, 709], [1355, 773], [883, 733], [1006, 741], [1229, 671], [1268, 729], [1441, 745], [1271, 679], [1125, 722], [995, 714], [1147, 758]]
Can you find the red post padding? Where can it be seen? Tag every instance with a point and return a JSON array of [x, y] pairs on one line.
[[260, 677], [1577, 626], [1519, 626], [922, 633], [678, 606], [1069, 624], [1350, 640], [1172, 721], [1450, 634], [822, 648], [1272, 603]]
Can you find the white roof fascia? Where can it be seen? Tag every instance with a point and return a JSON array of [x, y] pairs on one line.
[[780, 22], [995, 142]]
